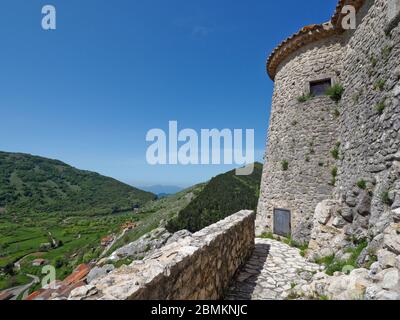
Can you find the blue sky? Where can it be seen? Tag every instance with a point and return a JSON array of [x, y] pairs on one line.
[[88, 92]]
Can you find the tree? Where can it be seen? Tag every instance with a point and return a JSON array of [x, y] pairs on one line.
[[9, 269]]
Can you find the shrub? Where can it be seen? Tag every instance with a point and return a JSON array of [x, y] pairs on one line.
[[332, 264], [386, 198], [59, 263], [362, 184], [374, 61], [294, 244], [267, 235], [285, 165], [335, 92], [305, 97], [9, 269], [386, 51], [380, 85], [336, 113], [87, 257], [380, 107], [335, 153]]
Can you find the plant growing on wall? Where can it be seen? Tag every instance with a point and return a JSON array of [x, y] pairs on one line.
[[285, 165], [380, 107], [386, 50], [374, 61], [305, 97], [335, 151], [379, 85], [386, 198], [362, 184], [336, 113], [335, 92]]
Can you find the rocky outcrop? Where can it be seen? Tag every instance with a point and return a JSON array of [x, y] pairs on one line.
[[97, 272], [339, 223], [328, 235], [380, 282], [199, 266], [360, 284]]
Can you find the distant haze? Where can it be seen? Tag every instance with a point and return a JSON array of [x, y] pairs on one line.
[[160, 189]]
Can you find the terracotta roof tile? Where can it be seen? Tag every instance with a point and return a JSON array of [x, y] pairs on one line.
[[6, 296], [35, 294], [308, 35], [79, 274]]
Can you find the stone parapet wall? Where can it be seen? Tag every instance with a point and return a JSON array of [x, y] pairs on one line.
[[198, 267]]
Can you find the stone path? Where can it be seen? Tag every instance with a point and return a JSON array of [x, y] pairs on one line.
[[271, 272]]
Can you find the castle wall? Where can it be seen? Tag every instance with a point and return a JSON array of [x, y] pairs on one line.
[[371, 139], [198, 267], [303, 135]]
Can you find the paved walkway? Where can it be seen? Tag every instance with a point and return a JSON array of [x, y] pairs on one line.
[[271, 272]]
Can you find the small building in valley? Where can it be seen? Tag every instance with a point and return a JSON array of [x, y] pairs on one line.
[[105, 241], [39, 262]]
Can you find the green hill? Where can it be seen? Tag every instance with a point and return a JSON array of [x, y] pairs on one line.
[[221, 197], [31, 184]]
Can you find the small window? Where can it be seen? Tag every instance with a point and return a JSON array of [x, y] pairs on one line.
[[318, 88]]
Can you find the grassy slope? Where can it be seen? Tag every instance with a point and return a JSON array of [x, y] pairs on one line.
[[62, 210], [22, 236], [223, 196], [30, 184], [39, 196], [161, 210]]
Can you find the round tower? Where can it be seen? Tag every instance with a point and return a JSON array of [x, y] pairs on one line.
[[299, 170]]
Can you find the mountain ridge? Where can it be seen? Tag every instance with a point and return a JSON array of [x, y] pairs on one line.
[[222, 196], [30, 183]]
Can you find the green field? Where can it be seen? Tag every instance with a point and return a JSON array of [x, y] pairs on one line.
[[79, 236], [53, 211], [46, 201], [78, 241]]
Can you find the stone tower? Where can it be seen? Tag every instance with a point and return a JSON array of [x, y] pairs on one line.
[[305, 161]]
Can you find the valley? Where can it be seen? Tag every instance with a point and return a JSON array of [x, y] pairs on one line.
[[54, 214]]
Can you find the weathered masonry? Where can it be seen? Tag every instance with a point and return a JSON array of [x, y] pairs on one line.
[[345, 148]]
